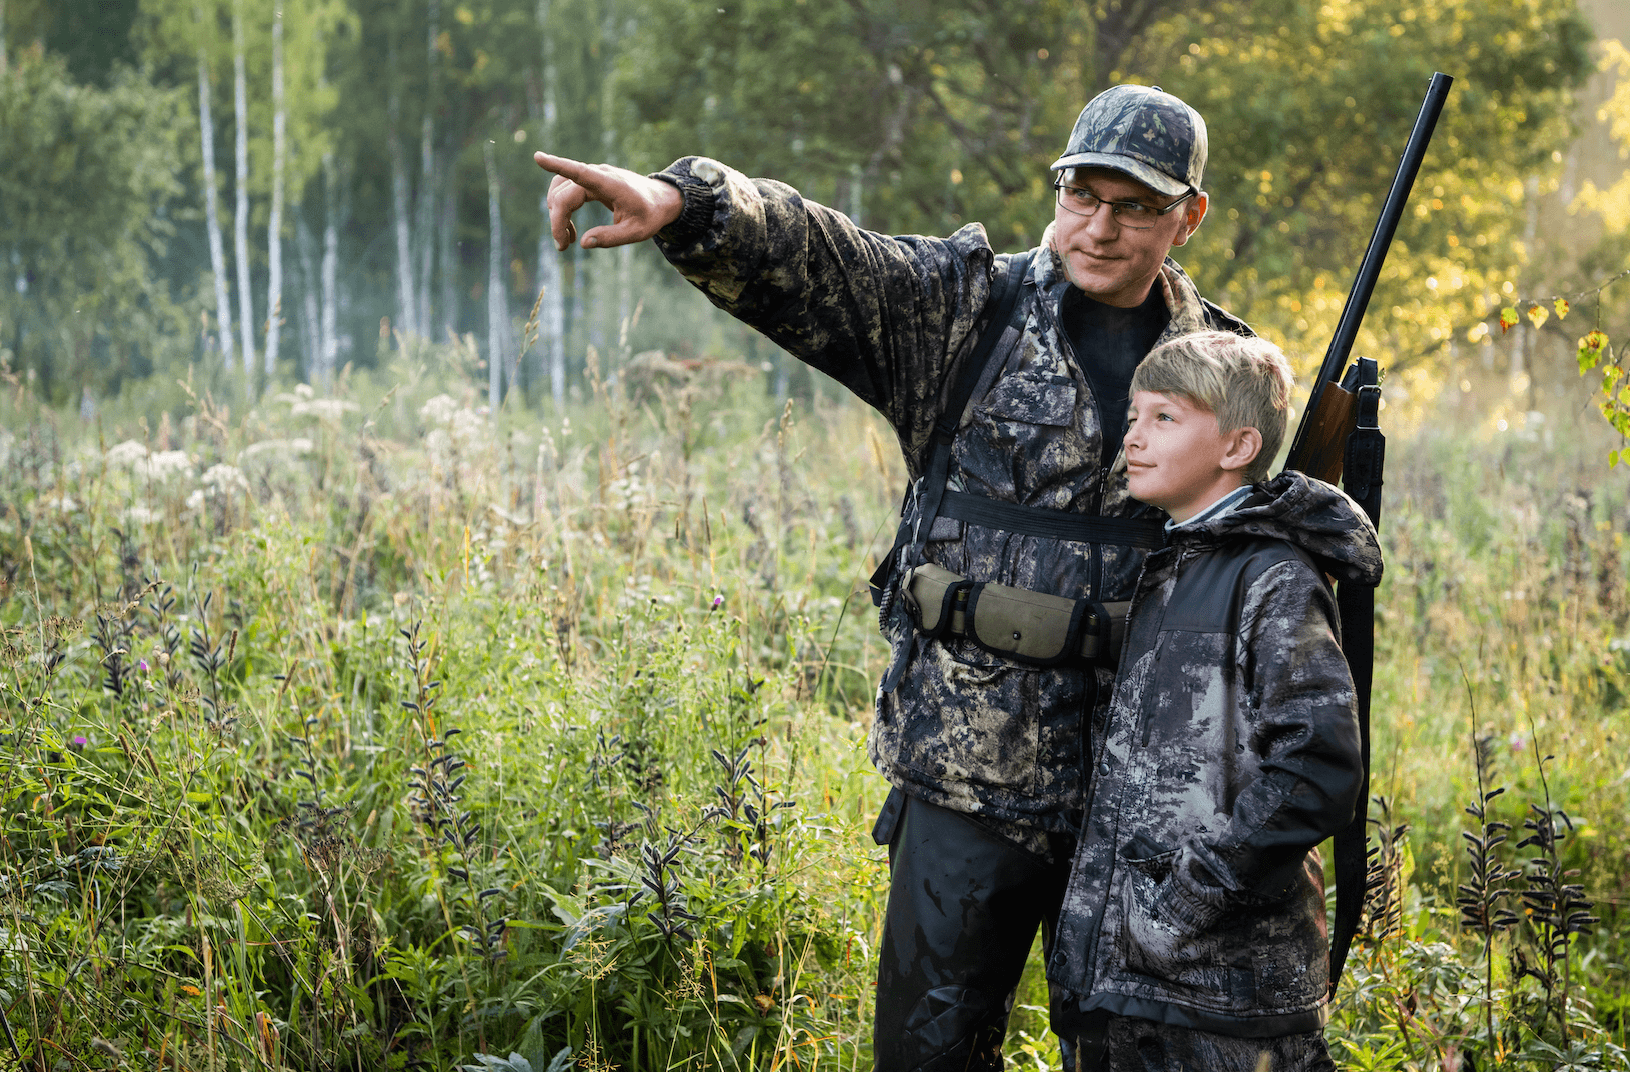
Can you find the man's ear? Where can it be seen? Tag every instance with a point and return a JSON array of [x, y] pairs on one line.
[[1194, 210], [1240, 449]]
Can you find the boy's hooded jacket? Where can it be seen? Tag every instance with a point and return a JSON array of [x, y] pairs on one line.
[[1231, 750]]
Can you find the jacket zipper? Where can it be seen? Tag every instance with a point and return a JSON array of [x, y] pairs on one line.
[[1101, 483]]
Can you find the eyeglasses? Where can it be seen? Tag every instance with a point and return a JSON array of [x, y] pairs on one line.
[[1127, 213]]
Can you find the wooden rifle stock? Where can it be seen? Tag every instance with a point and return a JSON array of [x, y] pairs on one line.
[[1321, 436]]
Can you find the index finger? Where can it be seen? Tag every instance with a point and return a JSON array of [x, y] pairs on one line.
[[564, 167]]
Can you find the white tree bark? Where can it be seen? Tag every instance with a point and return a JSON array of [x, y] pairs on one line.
[[552, 316], [2, 37], [212, 216], [625, 300], [580, 293], [331, 255], [401, 212], [425, 215], [447, 256], [311, 343], [497, 315], [240, 221], [274, 225]]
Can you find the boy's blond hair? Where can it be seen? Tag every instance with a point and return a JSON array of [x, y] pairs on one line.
[[1244, 380]]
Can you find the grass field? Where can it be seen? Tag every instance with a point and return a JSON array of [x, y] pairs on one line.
[[367, 731]]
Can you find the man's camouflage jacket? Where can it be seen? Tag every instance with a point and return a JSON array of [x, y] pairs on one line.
[[1232, 749], [891, 318]]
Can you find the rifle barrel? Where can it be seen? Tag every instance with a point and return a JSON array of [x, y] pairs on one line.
[[1369, 270]]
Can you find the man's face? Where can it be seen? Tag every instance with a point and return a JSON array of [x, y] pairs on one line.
[[1107, 260], [1176, 458]]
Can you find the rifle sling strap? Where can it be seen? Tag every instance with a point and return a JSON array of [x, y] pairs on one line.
[[1355, 603]]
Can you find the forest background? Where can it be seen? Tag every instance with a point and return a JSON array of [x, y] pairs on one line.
[[424, 649]]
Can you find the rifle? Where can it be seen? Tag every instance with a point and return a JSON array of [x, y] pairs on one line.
[[1339, 435]]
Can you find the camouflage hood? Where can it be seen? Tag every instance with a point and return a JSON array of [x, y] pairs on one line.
[[1319, 518]]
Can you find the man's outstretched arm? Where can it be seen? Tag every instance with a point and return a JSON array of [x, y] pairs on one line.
[[885, 316]]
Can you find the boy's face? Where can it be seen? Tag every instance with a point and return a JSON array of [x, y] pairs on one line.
[[1176, 458]]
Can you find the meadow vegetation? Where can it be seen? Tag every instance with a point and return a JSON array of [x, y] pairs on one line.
[[371, 730]]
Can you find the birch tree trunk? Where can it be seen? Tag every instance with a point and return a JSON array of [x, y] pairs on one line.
[[447, 256], [425, 216], [240, 221], [495, 286], [212, 215], [3, 60], [553, 314], [331, 255], [274, 226], [580, 293], [625, 300], [310, 307], [400, 212], [614, 278]]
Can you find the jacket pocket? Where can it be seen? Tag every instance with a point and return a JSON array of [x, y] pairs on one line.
[[972, 723], [1032, 398], [1163, 939]]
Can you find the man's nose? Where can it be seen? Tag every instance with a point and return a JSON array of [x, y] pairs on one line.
[[1102, 225]]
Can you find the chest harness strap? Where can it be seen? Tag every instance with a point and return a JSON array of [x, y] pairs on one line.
[[1027, 626]]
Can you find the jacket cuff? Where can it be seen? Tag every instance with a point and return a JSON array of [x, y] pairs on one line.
[[697, 215], [1187, 903]]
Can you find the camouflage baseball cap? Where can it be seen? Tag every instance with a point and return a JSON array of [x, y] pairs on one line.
[[1143, 132]]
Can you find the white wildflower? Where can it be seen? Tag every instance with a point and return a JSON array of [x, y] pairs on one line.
[[222, 478], [141, 515], [440, 446], [304, 390], [439, 410], [62, 504], [127, 453], [324, 409], [468, 427], [195, 501], [163, 464], [276, 449]]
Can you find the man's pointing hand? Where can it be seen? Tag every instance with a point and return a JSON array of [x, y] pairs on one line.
[[640, 207]]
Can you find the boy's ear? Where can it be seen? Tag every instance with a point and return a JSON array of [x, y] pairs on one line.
[[1240, 448]]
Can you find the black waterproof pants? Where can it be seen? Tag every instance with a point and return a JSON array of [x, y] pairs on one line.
[[963, 907]]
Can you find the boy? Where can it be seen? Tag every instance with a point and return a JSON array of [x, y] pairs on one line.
[[1193, 932]]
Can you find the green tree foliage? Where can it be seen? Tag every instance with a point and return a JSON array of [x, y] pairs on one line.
[[913, 116], [1309, 110], [909, 115], [87, 179], [959, 108]]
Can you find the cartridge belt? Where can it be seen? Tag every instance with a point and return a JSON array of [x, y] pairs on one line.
[[1016, 623]]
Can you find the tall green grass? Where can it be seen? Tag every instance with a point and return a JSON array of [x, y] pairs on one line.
[[375, 731]]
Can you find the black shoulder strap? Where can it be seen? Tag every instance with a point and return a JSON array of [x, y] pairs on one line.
[[1003, 299], [1355, 603]]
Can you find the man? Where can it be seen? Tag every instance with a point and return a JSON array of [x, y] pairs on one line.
[[1020, 500]]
